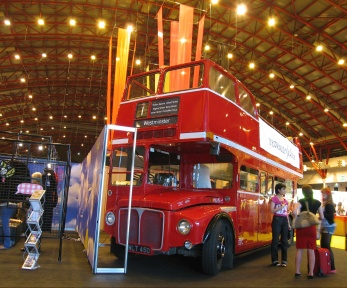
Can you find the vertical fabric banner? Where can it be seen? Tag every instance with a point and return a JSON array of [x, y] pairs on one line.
[[185, 36], [160, 37], [109, 70], [173, 55], [123, 43], [198, 51], [173, 43]]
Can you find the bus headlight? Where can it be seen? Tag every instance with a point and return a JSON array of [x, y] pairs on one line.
[[183, 227], [110, 218]]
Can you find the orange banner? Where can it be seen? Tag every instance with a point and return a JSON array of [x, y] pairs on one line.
[[185, 34], [173, 55], [109, 70], [160, 37], [198, 50], [123, 43]]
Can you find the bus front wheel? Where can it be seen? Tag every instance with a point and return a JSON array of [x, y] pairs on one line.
[[117, 250], [217, 251]]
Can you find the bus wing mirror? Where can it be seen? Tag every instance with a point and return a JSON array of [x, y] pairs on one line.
[[215, 148]]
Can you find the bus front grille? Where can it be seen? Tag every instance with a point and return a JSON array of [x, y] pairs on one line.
[[146, 227]]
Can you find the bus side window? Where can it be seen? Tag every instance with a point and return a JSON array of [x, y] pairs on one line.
[[270, 186], [263, 183], [222, 84], [249, 179], [246, 101]]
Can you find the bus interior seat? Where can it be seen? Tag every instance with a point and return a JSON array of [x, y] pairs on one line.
[[163, 179], [203, 179]]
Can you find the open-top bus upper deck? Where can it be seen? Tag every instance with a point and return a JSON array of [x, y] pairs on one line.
[[202, 101]]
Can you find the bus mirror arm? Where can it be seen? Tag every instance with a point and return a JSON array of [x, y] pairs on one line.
[[215, 148]]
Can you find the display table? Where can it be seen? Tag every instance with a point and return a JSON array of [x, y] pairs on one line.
[[341, 222]]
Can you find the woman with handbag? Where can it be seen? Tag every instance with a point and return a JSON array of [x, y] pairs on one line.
[[328, 224], [306, 237]]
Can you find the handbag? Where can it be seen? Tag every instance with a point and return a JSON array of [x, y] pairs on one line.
[[327, 228], [305, 219]]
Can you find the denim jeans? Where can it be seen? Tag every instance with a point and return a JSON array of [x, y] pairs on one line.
[[279, 228], [6, 213]]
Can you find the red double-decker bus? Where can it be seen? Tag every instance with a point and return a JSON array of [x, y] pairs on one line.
[[205, 167]]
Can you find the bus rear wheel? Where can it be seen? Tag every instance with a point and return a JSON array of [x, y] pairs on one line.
[[217, 251]]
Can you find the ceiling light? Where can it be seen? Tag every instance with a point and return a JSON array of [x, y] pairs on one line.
[[7, 22], [72, 22], [44, 55], [36, 119], [308, 97], [183, 40], [41, 22], [311, 143], [251, 65], [271, 75], [17, 56], [101, 24], [230, 55], [22, 80], [271, 21], [319, 47], [257, 104], [85, 136], [341, 61], [138, 62], [271, 112], [344, 125], [300, 134], [241, 9], [70, 56], [65, 116], [7, 124], [22, 121], [94, 117], [207, 47], [93, 57], [34, 109], [291, 86], [287, 123], [214, 2], [30, 96], [326, 110], [130, 28], [51, 117], [79, 116]]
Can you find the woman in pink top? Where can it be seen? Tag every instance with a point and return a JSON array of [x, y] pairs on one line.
[[280, 225]]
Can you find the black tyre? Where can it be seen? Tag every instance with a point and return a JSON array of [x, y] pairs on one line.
[[217, 251], [117, 250]]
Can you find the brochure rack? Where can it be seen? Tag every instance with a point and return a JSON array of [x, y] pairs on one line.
[[32, 244]]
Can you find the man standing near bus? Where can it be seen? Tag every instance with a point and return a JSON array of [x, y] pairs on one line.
[[280, 225]]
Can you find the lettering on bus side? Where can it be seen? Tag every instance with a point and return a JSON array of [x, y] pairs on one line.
[[156, 122], [165, 107]]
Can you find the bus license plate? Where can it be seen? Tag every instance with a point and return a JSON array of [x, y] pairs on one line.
[[140, 249]]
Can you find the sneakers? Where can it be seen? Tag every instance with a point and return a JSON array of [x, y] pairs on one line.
[[284, 263], [275, 263]]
